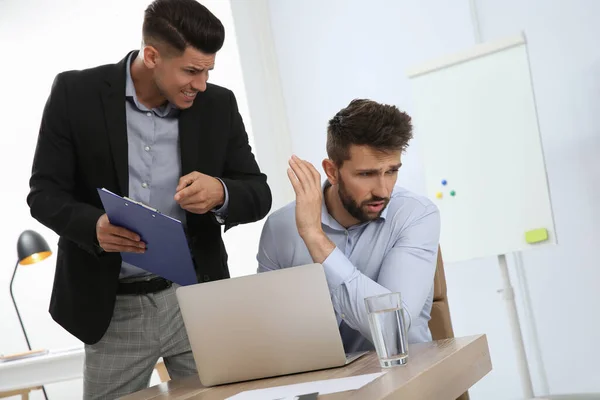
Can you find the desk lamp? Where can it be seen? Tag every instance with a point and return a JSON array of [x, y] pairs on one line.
[[31, 248]]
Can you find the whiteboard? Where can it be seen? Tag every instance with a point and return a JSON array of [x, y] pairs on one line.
[[475, 117]]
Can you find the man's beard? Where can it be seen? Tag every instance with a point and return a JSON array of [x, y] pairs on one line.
[[356, 210]]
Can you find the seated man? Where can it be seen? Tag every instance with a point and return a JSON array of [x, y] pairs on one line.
[[371, 236]]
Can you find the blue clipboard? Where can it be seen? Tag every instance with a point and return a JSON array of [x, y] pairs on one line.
[[167, 254]]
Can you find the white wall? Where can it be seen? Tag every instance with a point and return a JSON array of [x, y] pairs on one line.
[[565, 65], [332, 51], [38, 39], [263, 87]]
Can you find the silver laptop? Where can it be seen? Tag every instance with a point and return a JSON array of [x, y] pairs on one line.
[[263, 325]]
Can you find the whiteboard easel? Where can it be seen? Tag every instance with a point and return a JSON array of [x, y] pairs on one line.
[[476, 116]]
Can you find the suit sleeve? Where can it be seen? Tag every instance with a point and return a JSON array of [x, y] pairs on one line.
[[52, 199], [248, 191]]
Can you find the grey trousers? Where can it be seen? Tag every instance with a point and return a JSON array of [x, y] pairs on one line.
[[143, 328]]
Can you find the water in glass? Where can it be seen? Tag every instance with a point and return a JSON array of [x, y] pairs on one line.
[[386, 319]]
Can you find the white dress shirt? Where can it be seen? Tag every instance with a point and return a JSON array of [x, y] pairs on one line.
[[394, 253]]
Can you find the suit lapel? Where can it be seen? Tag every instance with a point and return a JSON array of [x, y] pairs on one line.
[[113, 99], [195, 137]]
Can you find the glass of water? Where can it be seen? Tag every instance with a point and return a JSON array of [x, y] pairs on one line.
[[388, 328]]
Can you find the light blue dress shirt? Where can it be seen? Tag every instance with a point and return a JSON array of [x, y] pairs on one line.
[[154, 160], [395, 253]]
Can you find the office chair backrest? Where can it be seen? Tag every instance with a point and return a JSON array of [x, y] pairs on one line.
[[440, 323]]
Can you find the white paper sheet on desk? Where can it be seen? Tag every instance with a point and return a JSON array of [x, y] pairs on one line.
[[322, 387]]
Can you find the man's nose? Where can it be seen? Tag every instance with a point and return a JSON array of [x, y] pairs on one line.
[[199, 84], [381, 188]]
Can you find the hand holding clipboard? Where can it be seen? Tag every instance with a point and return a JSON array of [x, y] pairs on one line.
[[167, 253], [112, 238]]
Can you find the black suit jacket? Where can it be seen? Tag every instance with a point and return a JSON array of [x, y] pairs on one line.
[[82, 146]]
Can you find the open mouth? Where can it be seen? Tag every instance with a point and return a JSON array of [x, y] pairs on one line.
[[375, 207], [190, 96]]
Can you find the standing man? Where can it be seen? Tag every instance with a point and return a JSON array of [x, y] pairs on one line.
[[371, 236], [149, 127]]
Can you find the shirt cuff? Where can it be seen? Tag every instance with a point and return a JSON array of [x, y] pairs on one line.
[[338, 269], [221, 212]]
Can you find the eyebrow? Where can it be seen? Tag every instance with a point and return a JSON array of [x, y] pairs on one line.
[[364, 171], [199, 69]]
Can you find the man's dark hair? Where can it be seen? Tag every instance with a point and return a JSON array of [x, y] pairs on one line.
[[366, 122], [182, 23]]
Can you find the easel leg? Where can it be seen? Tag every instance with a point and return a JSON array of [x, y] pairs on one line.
[[515, 327]]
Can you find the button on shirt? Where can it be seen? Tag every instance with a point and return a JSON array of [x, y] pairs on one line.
[[154, 160], [395, 253]]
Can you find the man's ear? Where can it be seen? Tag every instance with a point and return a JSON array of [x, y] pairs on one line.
[[331, 170], [151, 56]]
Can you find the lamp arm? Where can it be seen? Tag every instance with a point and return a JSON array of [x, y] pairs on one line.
[[15, 304]]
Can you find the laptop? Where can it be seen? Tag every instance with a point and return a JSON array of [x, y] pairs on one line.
[[257, 326]]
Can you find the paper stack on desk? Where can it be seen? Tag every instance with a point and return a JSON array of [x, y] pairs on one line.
[[308, 389]]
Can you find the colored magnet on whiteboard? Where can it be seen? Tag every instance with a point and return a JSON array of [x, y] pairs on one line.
[[439, 195], [536, 235], [452, 193], [444, 182]]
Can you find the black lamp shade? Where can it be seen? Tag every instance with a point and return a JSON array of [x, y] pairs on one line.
[[32, 248]]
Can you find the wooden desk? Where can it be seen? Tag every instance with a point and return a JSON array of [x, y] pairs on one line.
[[437, 370]]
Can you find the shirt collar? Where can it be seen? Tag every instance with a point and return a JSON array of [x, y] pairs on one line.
[[129, 88], [163, 111], [328, 220]]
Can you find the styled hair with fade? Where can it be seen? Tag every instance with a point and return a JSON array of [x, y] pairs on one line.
[[181, 23]]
